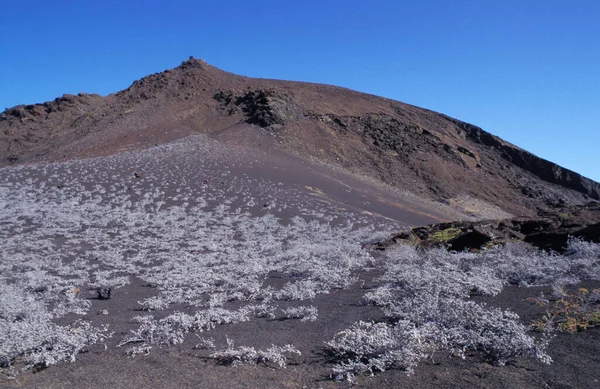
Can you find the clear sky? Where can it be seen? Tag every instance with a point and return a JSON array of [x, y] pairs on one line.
[[527, 70]]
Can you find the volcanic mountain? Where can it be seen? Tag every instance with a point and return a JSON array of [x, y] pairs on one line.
[[204, 229], [407, 148]]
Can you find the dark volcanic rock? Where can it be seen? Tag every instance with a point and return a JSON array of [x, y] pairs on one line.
[[551, 233], [542, 168], [104, 293], [263, 108]]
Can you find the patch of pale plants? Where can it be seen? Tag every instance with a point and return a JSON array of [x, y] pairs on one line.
[[243, 355], [194, 233], [425, 295], [203, 237]]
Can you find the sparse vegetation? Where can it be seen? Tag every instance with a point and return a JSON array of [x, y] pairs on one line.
[[75, 234], [29, 338], [569, 312], [426, 297], [243, 355], [74, 231], [304, 313]]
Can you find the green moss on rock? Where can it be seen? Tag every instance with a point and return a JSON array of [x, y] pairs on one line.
[[446, 235]]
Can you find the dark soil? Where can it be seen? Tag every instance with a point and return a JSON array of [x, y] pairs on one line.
[[576, 356]]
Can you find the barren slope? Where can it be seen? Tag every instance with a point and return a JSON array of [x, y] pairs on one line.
[[406, 147]]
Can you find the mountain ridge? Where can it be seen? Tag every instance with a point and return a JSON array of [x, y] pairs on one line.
[[400, 145]]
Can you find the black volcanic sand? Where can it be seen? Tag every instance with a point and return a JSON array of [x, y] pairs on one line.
[[576, 356], [318, 189], [329, 184]]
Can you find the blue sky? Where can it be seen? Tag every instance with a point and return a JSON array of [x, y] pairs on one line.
[[527, 71]]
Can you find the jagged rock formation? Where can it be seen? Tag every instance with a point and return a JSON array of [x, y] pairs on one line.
[[542, 168], [549, 232], [406, 147]]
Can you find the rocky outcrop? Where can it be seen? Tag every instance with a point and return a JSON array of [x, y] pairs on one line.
[[540, 167], [549, 233], [26, 128], [264, 108]]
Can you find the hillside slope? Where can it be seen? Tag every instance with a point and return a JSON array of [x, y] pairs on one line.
[[408, 148]]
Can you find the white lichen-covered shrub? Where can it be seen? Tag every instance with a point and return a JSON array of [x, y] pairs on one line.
[[368, 347], [243, 355], [522, 264], [63, 343], [427, 294], [173, 328], [580, 249], [304, 313], [300, 290], [29, 337], [205, 343]]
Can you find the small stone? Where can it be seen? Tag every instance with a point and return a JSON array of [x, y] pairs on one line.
[[104, 293]]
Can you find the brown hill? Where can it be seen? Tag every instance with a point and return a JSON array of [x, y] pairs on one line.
[[406, 147]]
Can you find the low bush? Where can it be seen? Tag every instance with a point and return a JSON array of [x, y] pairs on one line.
[[367, 347], [29, 338], [304, 313], [275, 355], [569, 312], [425, 295]]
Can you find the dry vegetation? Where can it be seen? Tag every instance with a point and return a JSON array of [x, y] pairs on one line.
[[205, 244]]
